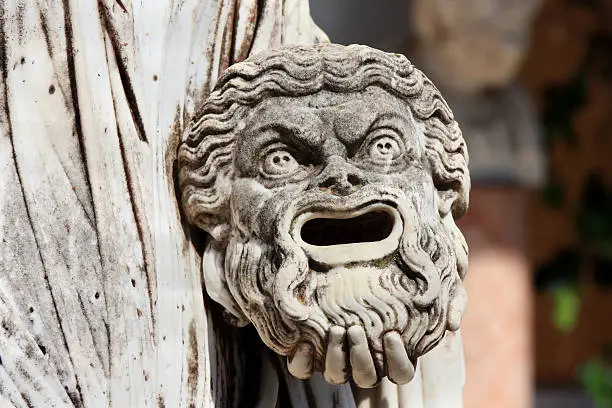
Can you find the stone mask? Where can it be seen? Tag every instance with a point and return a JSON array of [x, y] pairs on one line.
[[328, 178]]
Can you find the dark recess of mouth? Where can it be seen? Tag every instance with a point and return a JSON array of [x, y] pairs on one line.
[[369, 227]]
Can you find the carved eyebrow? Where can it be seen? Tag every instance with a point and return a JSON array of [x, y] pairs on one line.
[[383, 120], [264, 134], [388, 120], [278, 128], [289, 133], [293, 128]]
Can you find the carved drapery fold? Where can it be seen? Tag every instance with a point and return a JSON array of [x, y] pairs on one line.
[[99, 304]]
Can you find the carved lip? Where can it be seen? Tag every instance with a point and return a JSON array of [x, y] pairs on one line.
[[337, 237]]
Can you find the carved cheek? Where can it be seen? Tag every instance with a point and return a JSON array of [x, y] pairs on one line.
[[247, 199], [413, 180]]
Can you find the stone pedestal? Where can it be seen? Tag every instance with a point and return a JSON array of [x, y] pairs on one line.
[[497, 325]]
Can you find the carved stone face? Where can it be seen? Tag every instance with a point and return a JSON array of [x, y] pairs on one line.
[[331, 233]]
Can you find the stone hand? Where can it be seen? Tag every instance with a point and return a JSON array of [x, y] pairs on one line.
[[358, 363]]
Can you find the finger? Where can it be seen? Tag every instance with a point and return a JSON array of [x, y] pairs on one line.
[[399, 367], [335, 359], [300, 365], [362, 365], [457, 307]]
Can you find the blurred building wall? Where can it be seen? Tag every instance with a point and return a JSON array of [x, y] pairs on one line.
[[500, 127], [562, 36], [497, 326]]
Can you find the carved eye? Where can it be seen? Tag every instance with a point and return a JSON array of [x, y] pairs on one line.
[[279, 162], [384, 148]]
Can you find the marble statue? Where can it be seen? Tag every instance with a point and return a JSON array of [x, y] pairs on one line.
[[329, 179]]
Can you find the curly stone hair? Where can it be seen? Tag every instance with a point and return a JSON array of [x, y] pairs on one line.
[[206, 150]]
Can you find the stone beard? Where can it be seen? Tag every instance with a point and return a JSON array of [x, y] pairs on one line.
[[329, 178]]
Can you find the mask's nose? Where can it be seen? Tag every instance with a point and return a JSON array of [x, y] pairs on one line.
[[340, 177]]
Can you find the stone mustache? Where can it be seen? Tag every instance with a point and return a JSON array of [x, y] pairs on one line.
[[329, 179]]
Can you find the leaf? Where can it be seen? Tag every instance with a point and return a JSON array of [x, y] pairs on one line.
[[566, 307], [596, 378]]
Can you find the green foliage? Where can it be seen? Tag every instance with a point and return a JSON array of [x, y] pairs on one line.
[[596, 378], [560, 277], [593, 214], [566, 307]]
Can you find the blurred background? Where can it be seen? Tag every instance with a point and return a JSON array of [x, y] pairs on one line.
[[530, 82]]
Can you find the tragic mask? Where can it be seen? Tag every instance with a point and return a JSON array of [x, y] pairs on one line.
[[329, 178]]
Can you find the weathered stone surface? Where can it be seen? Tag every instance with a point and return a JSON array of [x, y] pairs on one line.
[[101, 302], [101, 298], [329, 178]]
